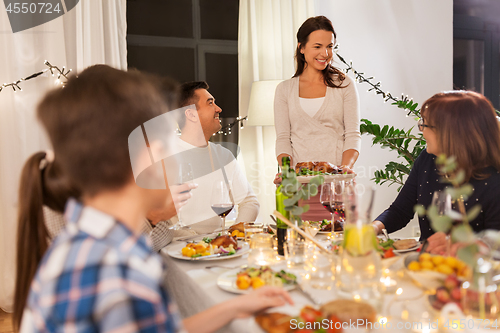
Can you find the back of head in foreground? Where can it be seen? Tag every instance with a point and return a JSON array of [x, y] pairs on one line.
[[89, 122], [466, 127]]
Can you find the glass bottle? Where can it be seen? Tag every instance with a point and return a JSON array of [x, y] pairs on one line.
[[280, 206]]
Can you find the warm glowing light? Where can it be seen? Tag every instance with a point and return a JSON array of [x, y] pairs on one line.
[[399, 291]]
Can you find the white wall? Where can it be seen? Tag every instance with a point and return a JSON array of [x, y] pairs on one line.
[[405, 44]]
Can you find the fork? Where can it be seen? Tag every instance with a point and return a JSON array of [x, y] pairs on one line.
[[225, 267]]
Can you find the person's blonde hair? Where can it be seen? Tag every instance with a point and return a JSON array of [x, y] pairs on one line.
[[467, 128]]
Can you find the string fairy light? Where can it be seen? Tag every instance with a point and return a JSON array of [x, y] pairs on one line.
[[227, 129], [54, 70]]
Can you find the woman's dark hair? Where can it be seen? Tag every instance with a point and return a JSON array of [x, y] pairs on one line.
[[466, 127], [39, 186], [330, 73]]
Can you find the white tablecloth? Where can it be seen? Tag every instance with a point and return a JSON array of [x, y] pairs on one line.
[[194, 288]]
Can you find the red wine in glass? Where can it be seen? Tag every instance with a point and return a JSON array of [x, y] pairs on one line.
[[222, 210], [338, 209], [222, 201], [327, 205]]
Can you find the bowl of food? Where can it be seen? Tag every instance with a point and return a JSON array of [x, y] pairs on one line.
[[430, 271]]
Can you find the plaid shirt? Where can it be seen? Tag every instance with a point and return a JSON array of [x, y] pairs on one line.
[[99, 276]]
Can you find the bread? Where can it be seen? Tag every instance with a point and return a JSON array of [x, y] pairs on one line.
[[274, 322], [345, 310], [404, 244]]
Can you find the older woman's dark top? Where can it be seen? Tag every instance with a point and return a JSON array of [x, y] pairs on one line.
[[420, 186]]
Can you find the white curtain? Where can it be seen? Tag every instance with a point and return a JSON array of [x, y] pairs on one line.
[[93, 32], [266, 47]]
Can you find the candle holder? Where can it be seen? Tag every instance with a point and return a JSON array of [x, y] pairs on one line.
[[261, 250]]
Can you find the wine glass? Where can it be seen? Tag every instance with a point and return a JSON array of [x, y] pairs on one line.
[[326, 197], [185, 175], [337, 202], [442, 201], [222, 201]]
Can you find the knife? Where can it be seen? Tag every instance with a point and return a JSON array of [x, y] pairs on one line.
[[218, 255], [186, 238], [307, 294]]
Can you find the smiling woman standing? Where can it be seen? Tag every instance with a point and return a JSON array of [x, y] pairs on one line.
[[316, 112]]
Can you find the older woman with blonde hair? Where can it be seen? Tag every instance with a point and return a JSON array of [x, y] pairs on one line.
[[462, 124]]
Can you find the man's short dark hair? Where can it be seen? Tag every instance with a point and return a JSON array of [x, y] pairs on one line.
[[187, 92], [187, 97], [90, 120]]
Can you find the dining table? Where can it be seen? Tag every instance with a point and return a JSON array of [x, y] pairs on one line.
[[194, 287]]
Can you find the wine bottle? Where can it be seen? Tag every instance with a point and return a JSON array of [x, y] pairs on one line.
[[280, 206]]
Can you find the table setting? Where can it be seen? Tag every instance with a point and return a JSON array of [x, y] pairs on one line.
[[336, 277]]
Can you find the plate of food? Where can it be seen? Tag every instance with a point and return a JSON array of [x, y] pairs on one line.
[[330, 172], [328, 318], [242, 281], [429, 271], [325, 227], [389, 248], [216, 247]]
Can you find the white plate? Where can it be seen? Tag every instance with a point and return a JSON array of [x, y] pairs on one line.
[[175, 252], [329, 232], [328, 178], [407, 250], [227, 282]]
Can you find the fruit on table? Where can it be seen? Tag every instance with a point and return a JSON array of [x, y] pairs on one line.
[[445, 265], [451, 282], [445, 269], [449, 292], [414, 266], [443, 295]]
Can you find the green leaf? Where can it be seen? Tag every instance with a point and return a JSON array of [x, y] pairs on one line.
[[463, 233], [318, 180], [313, 190], [305, 208], [289, 189], [468, 254], [293, 200], [438, 222], [419, 209], [459, 178], [465, 191], [296, 210], [473, 212], [441, 159]]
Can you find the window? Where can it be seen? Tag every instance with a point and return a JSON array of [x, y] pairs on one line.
[[189, 40], [476, 51]]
